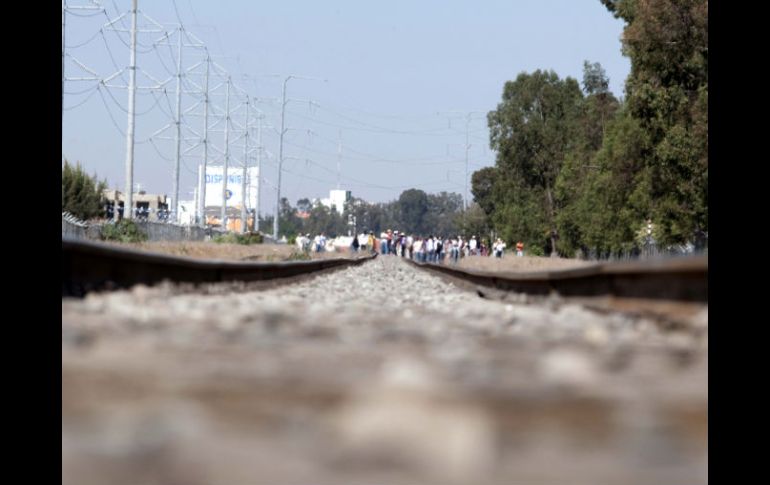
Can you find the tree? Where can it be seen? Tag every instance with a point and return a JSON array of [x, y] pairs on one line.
[[324, 220], [580, 168], [474, 222], [595, 80], [443, 214], [412, 206], [82, 195], [289, 223], [615, 198], [304, 205], [532, 129], [482, 186], [266, 224], [667, 93]]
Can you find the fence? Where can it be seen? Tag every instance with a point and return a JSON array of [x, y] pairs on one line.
[[159, 231], [72, 227], [651, 250]]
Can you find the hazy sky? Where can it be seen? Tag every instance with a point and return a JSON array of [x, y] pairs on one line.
[[400, 76]]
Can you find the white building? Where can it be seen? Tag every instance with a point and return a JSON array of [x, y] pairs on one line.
[[336, 200]]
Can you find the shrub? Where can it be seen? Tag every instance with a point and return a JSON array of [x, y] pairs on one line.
[[298, 256], [533, 250], [236, 238], [124, 230]]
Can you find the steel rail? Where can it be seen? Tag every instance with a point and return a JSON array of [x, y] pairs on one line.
[[89, 266], [678, 279]]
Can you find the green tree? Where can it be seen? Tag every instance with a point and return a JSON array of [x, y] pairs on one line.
[[595, 80], [580, 168], [289, 224], [532, 130], [324, 220], [412, 207], [443, 214], [81, 195], [266, 224], [482, 188], [474, 222], [304, 205], [615, 199], [667, 92]]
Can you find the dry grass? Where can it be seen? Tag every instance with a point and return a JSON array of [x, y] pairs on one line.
[[229, 252], [525, 264]]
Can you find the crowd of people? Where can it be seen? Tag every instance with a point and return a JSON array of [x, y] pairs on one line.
[[430, 249]]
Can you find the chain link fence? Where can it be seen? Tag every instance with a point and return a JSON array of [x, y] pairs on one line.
[[650, 249], [72, 227]]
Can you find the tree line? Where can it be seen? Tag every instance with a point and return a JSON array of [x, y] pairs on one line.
[[579, 170], [415, 212]]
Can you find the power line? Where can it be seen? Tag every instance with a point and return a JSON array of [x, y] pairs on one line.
[[376, 158], [118, 69], [370, 130], [77, 93], [84, 42], [84, 101], [84, 15], [390, 130], [114, 123]]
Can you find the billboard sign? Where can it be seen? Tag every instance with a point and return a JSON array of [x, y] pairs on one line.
[[215, 179]]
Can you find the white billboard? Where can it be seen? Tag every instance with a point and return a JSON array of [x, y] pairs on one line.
[[214, 181]]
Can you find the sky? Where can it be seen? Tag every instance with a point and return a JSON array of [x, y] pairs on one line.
[[395, 87]]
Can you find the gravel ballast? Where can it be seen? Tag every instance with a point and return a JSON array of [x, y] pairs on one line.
[[379, 373]]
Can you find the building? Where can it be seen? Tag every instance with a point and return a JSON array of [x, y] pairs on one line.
[[152, 207], [214, 218], [337, 200]]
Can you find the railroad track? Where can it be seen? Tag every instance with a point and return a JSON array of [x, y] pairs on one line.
[[88, 266], [682, 279]]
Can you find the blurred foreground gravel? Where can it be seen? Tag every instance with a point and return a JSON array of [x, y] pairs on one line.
[[376, 374]]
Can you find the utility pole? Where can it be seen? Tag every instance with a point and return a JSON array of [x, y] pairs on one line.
[[339, 158], [259, 172], [280, 162], [178, 121], [63, 16], [280, 151], [468, 117], [227, 157], [128, 207], [467, 147], [245, 169], [202, 174]]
